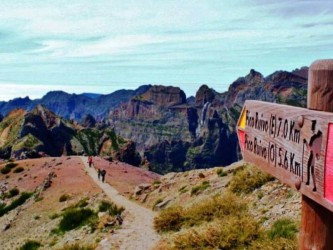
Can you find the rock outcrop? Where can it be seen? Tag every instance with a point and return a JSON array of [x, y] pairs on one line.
[[41, 132]]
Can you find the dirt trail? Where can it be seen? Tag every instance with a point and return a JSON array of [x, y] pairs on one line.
[[137, 231]]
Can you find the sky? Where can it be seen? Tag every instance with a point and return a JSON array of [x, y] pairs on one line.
[[105, 45]]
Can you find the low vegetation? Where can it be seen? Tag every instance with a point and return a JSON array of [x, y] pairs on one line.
[[197, 189], [221, 222], [13, 192], [111, 208], [247, 179], [77, 246], [15, 203], [30, 245], [64, 198], [220, 172], [74, 218], [5, 170], [225, 221], [283, 228], [18, 170], [11, 165]]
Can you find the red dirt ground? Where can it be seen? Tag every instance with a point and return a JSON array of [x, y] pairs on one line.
[[124, 177]]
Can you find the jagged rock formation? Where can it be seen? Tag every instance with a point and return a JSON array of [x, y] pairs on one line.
[[180, 135], [41, 132]]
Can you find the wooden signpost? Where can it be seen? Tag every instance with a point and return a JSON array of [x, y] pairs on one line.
[[296, 146]]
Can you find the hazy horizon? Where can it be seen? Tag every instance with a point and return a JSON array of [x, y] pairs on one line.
[[100, 47]]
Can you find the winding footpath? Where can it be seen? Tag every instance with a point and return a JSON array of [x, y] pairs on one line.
[[137, 232]]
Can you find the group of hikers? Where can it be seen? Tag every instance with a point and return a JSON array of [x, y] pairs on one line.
[[100, 172]]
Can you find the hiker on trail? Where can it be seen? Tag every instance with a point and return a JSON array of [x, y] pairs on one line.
[[90, 161], [103, 173], [99, 173]]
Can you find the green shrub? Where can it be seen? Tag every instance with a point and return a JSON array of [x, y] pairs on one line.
[[77, 246], [248, 179], [64, 198], [18, 170], [74, 218], [31, 245], [13, 192], [199, 188], [283, 228], [220, 172], [82, 203], [110, 207], [5, 170], [170, 219], [11, 165], [15, 203]]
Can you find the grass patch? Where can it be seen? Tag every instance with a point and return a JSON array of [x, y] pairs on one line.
[[75, 218], [18, 170], [110, 208], [247, 179], [183, 190], [232, 232], [283, 228], [170, 219], [220, 172], [221, 222], [64, 198], [15, 203], [197, 189], [82, 203], [175, 217], [77, 246], [31, 245]]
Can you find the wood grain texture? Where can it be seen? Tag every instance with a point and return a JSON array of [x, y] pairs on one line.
[[317, 221], [294, 152]]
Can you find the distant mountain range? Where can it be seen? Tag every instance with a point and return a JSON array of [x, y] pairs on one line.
[[73, 106], [172, 132]]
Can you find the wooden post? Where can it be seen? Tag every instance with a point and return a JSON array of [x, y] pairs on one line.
[[317, 221]]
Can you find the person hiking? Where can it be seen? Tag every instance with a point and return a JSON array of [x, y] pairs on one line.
[[99, 173], [90, 161], [103, 173]]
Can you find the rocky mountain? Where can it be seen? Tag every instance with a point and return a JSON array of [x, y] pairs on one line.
[[174, 134], [73, 106], [41, 132]]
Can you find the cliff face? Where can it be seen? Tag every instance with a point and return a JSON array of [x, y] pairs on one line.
[[176, 135]]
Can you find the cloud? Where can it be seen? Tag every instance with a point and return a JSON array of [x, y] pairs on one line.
[[73, 43]]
